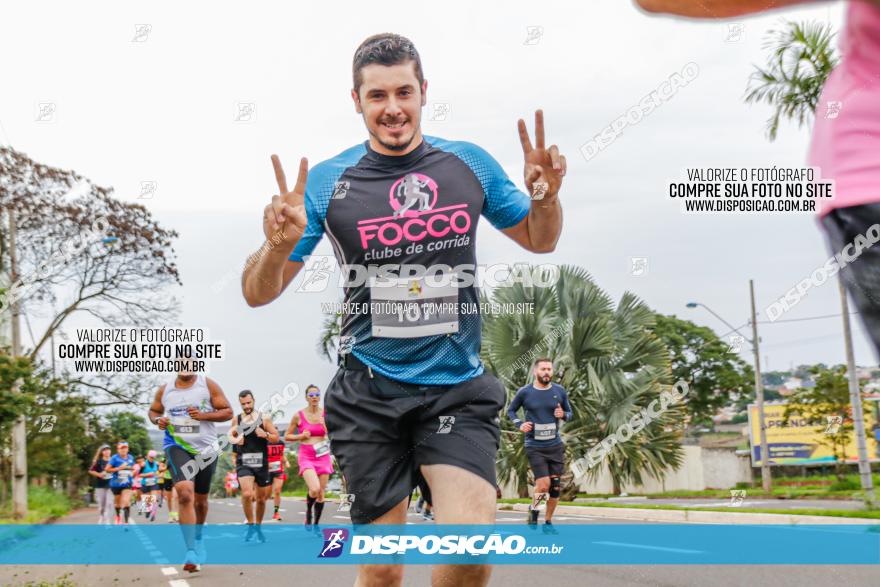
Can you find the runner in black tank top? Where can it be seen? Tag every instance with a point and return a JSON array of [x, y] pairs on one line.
[[252, 434]]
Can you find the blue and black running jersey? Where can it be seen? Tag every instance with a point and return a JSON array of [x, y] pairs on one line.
[[418, 209]]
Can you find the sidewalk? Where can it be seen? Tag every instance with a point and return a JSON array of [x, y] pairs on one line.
[[696, 516]]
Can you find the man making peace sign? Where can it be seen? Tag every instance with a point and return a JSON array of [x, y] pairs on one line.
[[411, 397]]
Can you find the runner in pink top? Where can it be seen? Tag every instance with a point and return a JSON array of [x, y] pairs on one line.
[[315, 465], [846, 135], [845, 145]]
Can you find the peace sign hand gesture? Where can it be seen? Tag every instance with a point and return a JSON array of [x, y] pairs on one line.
[[544, 168], [287, 213]]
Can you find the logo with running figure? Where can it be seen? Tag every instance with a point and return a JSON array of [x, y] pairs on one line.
[[334, 539], [411, 194]]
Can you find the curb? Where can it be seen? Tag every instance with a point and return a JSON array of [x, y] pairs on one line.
[[699, 517]]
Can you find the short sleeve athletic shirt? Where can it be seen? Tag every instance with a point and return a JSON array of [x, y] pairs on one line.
[[422, 209]]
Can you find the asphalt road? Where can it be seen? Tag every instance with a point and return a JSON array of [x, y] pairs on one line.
[[293, 511]]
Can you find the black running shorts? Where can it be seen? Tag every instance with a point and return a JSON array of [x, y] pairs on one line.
[[546, 461], [260, 475], [382, 431], [177, 458], [119, 490], [862, 274]]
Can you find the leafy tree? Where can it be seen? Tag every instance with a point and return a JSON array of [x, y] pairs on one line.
[[801, 59], [715, 374], [129, 426], [827, 406], [608, 359], [80, 250], [328, 344]]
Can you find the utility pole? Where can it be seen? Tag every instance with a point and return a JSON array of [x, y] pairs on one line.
[[855, 399], [759, 395], [19, 430]]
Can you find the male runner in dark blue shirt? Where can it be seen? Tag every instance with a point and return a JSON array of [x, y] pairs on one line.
[[545, 406], [411, 397]]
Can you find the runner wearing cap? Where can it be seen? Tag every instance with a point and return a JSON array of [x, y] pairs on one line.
[[121, 466], [149, 476]]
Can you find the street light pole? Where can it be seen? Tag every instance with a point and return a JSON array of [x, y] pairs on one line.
[[759, 384], [759, 395]]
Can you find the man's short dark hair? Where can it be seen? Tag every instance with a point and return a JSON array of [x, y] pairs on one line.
[[542, 360], [245, 393], [384, 49]]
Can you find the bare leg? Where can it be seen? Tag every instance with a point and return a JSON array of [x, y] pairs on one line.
[[542, 485], [262, 495], [384, 575], [247, 497], [187, 508], [460, 497]]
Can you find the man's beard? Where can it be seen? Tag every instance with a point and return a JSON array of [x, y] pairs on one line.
[[248, 411], [395, 147], [187, 378], [544, 379]]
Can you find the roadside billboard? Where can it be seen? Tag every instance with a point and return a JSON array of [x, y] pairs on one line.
[[807, 441]]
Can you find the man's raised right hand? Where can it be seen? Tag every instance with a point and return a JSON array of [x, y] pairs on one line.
[[287, 213]]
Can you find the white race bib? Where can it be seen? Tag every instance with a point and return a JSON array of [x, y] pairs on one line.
[[322, 448], [149, 481], [185, 426], [410, 307], [252, 459], [545, 431], [274, 466], [124, 474], [107, 476]]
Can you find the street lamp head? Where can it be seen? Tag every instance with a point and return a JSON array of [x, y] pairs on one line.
[[692, 304]]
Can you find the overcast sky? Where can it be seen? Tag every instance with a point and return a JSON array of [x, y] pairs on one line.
[[159, 104]]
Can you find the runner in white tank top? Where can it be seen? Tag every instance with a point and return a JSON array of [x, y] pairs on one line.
[[187, 409]]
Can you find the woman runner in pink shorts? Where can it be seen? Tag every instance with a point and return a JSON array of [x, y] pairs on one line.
[[315, 466]]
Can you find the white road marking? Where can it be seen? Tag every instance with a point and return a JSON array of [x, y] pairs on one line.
[[167, 571], [178, 583], [649, 547]]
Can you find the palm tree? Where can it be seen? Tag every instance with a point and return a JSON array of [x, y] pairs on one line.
[[801, 59], [608, 360], [606, 357], [328, 344]]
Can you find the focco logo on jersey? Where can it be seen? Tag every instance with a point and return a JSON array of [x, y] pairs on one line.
[[413, 198]]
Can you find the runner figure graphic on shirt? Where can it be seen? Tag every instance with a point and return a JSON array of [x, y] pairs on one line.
[[412, 193]]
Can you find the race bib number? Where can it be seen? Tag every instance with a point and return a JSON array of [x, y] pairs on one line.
[[322, 448], [124, 474], [274, 466], [107, 476], [545, 431], [413, 307], [149, 481], [252, 459], [185, 426]]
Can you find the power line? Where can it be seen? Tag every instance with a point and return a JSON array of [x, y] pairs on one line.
[[806, 318]]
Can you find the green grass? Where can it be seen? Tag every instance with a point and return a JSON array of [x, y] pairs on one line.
[[871, 514], [43, 504], [849, 488]]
